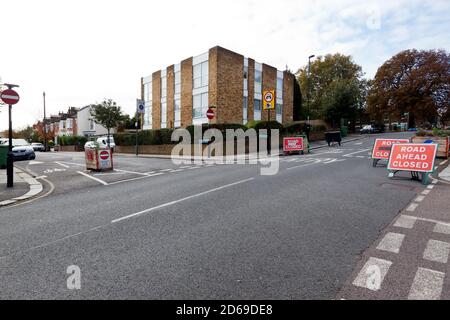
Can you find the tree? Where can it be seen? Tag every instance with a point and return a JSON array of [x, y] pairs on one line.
[[335, 86], [299, 112], [108, 114], [414, 82], [39, 130]]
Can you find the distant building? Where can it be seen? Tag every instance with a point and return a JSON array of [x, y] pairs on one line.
[[87, 126], [180, 95]]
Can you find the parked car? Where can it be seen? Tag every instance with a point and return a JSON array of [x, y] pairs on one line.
[[22, 150], [369, 129], [37, 146]]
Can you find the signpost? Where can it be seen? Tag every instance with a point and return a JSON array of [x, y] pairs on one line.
[[382, 149], [140, 111], [414, 157], [269, 104], [10, 97]]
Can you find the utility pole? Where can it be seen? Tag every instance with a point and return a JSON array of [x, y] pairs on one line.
[[45, 125], [308, 86]]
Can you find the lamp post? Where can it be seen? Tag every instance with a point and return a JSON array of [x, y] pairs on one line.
[[45, 125], [308, 84]]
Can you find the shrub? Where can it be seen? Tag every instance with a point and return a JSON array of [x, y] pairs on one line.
[[319, 128], [294, 128], [252, 124], [268, 125]]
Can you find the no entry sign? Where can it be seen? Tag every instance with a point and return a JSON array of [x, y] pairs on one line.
[[293, 144], [9, 96], [210, 114], [104, 155], [382, 148], [415, 157]]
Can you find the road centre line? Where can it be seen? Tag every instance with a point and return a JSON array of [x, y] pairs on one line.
[[181, 200], [133, 172], [304, 165], [353, 153], [93, 178], [62, 165]]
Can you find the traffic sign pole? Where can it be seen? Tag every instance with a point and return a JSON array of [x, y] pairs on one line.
[[10, 97]]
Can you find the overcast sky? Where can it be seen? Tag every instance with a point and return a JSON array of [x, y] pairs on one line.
[[82, 51]]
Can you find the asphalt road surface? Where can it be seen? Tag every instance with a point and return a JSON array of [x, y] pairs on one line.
[[155, 230]]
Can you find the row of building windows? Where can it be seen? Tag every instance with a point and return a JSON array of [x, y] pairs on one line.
[[200, 94]]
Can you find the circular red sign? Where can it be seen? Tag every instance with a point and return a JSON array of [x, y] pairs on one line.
[[9, 96], [104, 155], [210, 114]]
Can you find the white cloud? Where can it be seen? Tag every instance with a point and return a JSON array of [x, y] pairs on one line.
[[82, 51]]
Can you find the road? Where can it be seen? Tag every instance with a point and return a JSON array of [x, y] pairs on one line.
[[155, 230]]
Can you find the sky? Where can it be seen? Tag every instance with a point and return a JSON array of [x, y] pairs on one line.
[[82, 51]]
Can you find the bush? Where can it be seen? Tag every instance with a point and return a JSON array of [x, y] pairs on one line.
[[268, 125], [319, 128], [294, 128], [145, 137], [72, 140], [252, 124]]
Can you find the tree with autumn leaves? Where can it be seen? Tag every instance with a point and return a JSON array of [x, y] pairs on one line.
[[416, 83]]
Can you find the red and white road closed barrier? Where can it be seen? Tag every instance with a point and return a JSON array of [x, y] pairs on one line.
[[293, 144], [413, 157], [382, 148]]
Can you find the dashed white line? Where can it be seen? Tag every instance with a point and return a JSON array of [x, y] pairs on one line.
[[93, 178], [426, 192], [420, 199], [392, 242], [62, 165], [135, 179], [437, 251], [412, 207], [405, 222], [353, 153], [372, 274], [443, 163], [427, 285], [430, 187], [181, 200], [442, 228]]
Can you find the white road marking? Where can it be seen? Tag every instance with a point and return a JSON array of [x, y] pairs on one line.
[[442, 228], [166, 170], [304, 165], [132, 172], [427, 285], [93, 178], [443, 163], [435, 181], [359, 143], [62, 165], [361, 157], [412, 207], [405, 222], [181, 200], [135, 179], [430, 187], [420, 198], [34, 162], [353, 153], [437, 251], [426, 192], [73, 163], [372, 274], [392, 242], [174, 171]]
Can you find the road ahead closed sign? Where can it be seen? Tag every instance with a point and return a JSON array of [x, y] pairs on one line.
[[413, 157], [382, 148]]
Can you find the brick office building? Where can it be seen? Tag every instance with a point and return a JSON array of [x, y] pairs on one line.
[[181, 94]]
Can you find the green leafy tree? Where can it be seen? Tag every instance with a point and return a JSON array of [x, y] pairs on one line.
[[107, 114], [334, 89]]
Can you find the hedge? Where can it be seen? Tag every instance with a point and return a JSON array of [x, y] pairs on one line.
[[72, 140], [145, 137]]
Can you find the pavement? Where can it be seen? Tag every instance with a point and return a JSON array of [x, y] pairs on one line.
[[445, 174], [25, 187], [153, 229]]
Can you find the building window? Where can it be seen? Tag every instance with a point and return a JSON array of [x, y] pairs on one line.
[[200, 75], [177, 113], [245, 110], [258, 81], [177, 82], [257, 105], [200, 105], [148, 97], [279, 88], [163, 87], [163, 115], [279, 108], [69, 123]]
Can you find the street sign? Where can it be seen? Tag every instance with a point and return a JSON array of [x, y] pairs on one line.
[[415, 157], [210, 114], [9, 96], [104, 155], [293, 144], [269, 100], [382, 148], [140, 106]]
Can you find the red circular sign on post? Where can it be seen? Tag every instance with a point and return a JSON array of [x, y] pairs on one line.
[[9, 96], [104, 155], [210, 114]]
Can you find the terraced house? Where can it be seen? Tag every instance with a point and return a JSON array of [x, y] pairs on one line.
[[180, 95]]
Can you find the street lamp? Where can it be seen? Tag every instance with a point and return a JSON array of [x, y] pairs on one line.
[[45, 126], [308, 84]]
